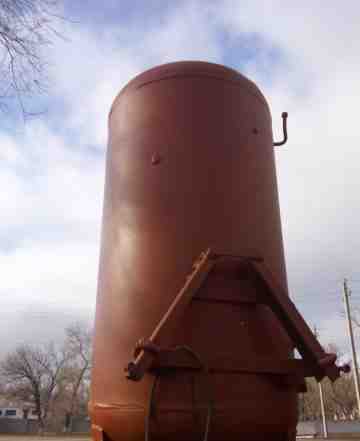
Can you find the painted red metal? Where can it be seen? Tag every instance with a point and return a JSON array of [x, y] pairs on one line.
[[190, 167]]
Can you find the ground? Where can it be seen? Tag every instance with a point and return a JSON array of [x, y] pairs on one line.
[[43, 438], [87, 438]]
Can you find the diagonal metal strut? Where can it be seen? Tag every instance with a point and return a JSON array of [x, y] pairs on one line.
[[315, 359]]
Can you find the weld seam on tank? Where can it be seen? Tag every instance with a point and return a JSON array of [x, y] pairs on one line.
[[200, 75], [250, 90]]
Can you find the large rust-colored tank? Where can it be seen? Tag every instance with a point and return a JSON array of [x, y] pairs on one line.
[[207, 345]]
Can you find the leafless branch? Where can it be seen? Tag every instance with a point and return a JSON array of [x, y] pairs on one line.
[[27, 27], [33, 373]]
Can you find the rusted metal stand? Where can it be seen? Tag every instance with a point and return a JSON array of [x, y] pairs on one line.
[[315, 361]]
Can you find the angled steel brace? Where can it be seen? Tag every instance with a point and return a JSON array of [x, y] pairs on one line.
[[147, 350], [321, 363], [316, 362]]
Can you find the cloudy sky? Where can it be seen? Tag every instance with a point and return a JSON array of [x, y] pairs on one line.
[[305, 58]]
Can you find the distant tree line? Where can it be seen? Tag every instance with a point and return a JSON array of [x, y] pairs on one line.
[[339, 397], [52, 379]]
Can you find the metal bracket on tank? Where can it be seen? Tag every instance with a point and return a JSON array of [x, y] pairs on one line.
[[284, 116], [315, 361], [147, 349]]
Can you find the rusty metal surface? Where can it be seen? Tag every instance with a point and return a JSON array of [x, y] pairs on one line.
[[190, 166], [204, 280]]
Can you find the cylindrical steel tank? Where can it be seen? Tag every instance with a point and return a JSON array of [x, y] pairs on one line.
[[190, 166]]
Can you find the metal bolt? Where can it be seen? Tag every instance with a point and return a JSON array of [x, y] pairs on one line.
[[155, 159]]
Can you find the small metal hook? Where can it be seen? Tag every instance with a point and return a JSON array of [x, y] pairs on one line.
[[284, 116]]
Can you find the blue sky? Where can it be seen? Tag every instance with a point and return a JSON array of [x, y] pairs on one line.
[[304, 58]]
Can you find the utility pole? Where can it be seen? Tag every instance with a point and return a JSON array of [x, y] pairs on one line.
[[351, 336], [322, 404]]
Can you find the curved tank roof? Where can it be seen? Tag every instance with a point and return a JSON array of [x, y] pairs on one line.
[[190, 69]]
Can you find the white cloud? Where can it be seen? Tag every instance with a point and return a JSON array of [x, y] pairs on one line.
[[55, 268], [51, 208], [49, 185], [96, 64]]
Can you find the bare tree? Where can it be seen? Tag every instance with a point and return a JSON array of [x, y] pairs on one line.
[[32, 374], [309, 402], [78, 345], [26, 28], [340, 399]]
